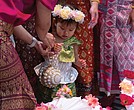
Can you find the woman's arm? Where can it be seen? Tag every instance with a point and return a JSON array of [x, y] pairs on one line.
[[43, 23], [21, 33]]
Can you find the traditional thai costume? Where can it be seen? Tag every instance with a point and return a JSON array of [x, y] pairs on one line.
[[116, 44], [15, 91], [85, 35], [61, 61]]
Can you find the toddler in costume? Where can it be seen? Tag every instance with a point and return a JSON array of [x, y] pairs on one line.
[[57, 69]]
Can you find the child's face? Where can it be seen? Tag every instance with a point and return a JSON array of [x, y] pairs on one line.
[[65, 31]]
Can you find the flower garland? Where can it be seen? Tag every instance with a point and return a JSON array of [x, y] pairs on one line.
[[127, 90], [66, 13], [92, 101]]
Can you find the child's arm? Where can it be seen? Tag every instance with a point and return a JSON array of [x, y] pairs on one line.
[[78, 62]]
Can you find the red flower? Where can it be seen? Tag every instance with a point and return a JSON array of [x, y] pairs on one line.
[[128, 74], [126, 100]]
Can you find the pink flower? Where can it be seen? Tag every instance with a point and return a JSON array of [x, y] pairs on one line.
[[107, 108], [64, 91], [41, 107], [92, 101]]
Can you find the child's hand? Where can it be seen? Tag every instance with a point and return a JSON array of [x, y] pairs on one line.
[[58, 47], [80, 63], [43, 49]]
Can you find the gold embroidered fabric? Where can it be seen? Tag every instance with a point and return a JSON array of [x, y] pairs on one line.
[[15, 90], [6, 28]]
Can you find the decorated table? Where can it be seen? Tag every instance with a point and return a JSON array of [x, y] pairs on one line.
[[65, 101]]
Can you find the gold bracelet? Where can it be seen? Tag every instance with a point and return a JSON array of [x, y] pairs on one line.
[[98, 1], [132, 6]]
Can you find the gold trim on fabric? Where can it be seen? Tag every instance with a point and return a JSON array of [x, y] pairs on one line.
[[6, 27]]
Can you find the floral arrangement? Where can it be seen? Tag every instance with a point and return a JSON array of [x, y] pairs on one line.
[[42, 106], [65, 12], [47, 106], [94, 103], [65, 101], [65, 92], [127, 90]]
